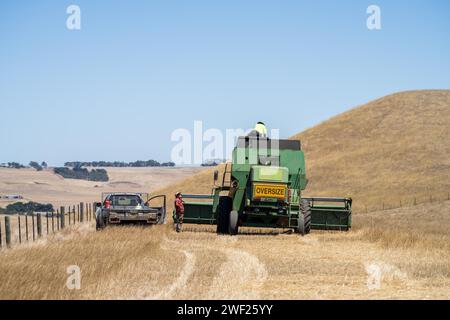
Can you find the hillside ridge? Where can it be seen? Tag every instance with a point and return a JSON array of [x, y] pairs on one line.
[[393, 149]]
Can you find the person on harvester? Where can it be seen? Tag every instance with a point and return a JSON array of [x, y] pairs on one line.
[[260, 130], [179, 211]]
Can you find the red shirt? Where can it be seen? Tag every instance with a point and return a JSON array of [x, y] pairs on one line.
[[179, 207]]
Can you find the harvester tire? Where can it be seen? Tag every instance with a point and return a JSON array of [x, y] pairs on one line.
[[304, 218], [223, 214], [234, 223]]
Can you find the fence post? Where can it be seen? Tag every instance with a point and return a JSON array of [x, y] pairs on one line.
[[26, 226], [32, 219], [62, 211], [20, 229], [53, 222], [7, 232], [39, 224], [81, 212], [1, 241], [58, 218], [46, 216], [94, 210]]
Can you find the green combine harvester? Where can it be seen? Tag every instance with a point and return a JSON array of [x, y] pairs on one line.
[[262, 188]]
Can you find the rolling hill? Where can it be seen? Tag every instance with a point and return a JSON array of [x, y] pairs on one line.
[[46, 187], [391, 150]]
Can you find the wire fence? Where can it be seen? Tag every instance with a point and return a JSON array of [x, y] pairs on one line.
[[402, 202], [32, 226]]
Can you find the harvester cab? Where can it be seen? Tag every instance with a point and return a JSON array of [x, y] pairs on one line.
[[262, 187]]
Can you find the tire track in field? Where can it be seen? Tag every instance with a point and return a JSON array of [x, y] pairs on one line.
[[181, 281], [239, 277]]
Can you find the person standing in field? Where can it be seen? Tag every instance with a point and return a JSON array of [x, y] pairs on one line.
[[179, 210]]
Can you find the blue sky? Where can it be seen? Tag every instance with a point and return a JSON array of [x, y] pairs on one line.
[[137, 70]]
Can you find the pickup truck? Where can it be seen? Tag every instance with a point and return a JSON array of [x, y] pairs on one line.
[[122, 207]]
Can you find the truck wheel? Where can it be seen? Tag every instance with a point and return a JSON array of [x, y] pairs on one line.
[[233, 227], [223, 214], [304, 218]]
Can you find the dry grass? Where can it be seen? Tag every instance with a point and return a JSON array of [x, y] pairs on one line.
[[391, 149], [157, 263], [422, 226], [395, 148], [49, 226], [113, 265]]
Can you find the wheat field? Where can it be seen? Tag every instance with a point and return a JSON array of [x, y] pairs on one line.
[[391, 151], [158, 263]]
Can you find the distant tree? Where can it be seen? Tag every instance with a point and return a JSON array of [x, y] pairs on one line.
[[44, 164], [212, 162], [20, 207], [118, 164], [98, 175], [15, 165], [82, 173], [35, 165]]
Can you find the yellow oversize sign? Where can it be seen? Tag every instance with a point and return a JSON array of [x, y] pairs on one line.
[[269, 191]]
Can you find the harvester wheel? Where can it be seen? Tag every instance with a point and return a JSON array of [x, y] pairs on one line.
[[223, 214], [304, 218], [234, 223]]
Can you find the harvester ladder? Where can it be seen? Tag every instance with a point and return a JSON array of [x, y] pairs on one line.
[[293, 215]]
